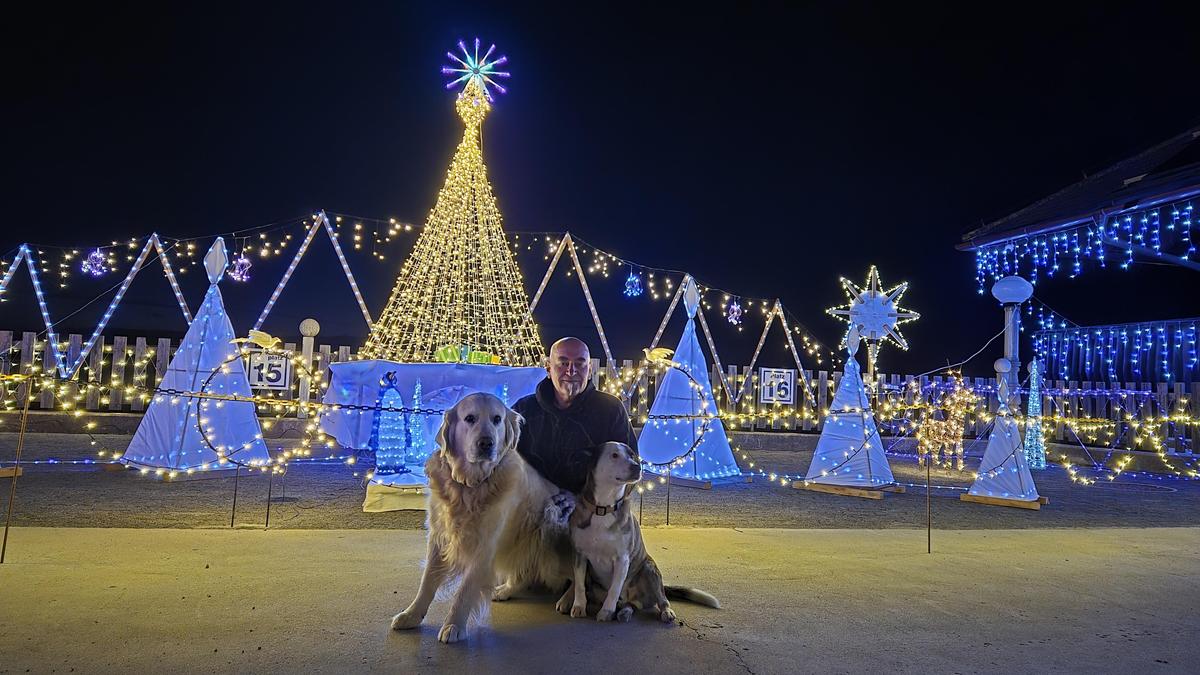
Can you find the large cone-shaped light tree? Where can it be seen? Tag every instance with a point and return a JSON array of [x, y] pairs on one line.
[[461, 285]]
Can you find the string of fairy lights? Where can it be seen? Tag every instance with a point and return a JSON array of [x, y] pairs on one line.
[[1161, 231], [658, 283], [909, 410], [251, 245], [747, 412]]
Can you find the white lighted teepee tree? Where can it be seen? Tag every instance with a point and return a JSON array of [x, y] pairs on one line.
[[849, 458], [461, 285], [169, 439], [1004, 478], [695, 448]]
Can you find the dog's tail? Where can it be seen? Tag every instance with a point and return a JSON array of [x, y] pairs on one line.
[[692, 595]]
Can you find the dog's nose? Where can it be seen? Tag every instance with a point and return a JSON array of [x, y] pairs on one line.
[[485, 445]]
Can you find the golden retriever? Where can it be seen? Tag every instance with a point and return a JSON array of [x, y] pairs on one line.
[[490, 514]]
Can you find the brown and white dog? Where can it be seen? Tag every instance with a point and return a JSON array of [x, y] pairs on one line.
[[608, 540], [490, 516]]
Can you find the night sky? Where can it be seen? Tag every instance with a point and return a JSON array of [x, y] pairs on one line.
[[767, 151]]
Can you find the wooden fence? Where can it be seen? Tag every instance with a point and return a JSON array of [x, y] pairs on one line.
[[120, 363]]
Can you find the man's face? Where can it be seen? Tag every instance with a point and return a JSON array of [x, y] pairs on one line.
[[569, 368]]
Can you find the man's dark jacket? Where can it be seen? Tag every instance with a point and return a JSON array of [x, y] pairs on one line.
[[558, 442]]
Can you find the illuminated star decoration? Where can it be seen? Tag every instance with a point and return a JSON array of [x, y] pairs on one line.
[[95, 263], [241, 269], [471, 67], [733, 313], [876, 313], [633, 285]]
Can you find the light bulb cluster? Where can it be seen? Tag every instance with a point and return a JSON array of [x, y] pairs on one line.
[[940, 440]]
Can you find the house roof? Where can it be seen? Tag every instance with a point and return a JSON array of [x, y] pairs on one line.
[[1168, 170]]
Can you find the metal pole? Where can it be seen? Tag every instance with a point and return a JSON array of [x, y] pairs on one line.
[[928, 512], [12, 490], [668, 495], [270, 482], [236, 473]]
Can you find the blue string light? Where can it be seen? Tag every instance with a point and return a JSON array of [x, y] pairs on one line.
[[1035, 444], [1166, 350], [1163, 230]]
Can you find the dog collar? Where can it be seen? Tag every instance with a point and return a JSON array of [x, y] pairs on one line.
[[604, 510]]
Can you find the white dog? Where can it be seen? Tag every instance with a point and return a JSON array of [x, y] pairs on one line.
[[490, 514]]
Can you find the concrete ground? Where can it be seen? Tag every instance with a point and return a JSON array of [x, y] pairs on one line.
[[827, 601]]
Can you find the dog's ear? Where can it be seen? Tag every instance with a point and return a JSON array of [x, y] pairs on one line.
[[593, 460], [512, 428], [445, 434]]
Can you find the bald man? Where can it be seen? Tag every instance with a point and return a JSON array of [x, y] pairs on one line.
[[566, 416]]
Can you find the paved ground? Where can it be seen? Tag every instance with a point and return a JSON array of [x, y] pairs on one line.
[[828, 601], [330, 497]]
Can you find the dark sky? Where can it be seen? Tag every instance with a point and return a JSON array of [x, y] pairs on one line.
[[766, 150]]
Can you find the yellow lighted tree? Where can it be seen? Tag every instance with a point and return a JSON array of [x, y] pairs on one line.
[[461, 285]]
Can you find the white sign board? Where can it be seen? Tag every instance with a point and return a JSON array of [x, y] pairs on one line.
[[777, 385], [270, 371]]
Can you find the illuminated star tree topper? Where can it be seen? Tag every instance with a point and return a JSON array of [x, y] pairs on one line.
[[471, 69], [874, 315]]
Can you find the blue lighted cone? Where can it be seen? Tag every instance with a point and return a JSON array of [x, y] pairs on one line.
[[392, 434], [1035, 444]]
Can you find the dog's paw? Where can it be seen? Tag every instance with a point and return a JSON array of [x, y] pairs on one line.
[[451, 633], [604, 615], [502, 592], [405, 620], [578, 611], [564, 604], [667, 616], [625, 614], [561, 506]]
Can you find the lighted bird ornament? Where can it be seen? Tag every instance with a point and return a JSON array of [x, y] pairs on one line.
[[259, 338], [659, 355]]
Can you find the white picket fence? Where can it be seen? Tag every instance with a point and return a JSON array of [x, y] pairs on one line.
[[119, 362]]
